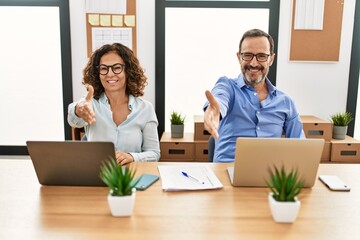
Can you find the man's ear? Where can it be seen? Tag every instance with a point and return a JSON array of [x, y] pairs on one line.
[[238, 56], [272, 58]]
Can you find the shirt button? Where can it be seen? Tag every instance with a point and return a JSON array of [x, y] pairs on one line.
[[257, 112], [258, 128], [255, 94]]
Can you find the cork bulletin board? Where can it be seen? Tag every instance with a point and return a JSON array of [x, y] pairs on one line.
[[319, 45], [109, 27]]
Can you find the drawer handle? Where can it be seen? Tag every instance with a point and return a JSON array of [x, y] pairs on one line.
[[348, 153], [315, 133], [176, 151]]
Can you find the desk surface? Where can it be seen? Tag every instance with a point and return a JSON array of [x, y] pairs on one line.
[[31, 211]]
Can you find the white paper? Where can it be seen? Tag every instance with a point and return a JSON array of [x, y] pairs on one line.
[[309, 14], [106, 6], [101, 36], [172, 178]]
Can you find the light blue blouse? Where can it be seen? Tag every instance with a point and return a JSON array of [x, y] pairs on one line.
[[137, 135]]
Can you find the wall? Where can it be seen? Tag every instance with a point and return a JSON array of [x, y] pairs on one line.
[[318, 88]]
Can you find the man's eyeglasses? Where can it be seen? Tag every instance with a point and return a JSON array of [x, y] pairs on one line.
[[260, 57], [117, 68]]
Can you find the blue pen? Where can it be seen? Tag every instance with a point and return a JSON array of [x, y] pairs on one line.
[[189, 176]]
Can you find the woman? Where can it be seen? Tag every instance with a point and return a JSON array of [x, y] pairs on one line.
[[113, 110]]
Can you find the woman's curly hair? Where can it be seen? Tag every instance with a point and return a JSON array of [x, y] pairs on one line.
[[135, 77]]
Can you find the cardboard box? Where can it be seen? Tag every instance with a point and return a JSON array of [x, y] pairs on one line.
[[315, 127], [325, 157], [347, 150], [201, 151], [200, 133], [177, 149]]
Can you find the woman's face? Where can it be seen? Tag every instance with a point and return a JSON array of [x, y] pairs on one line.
[[112, 72]]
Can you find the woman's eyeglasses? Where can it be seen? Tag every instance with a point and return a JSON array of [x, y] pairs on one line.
[[117, 68]]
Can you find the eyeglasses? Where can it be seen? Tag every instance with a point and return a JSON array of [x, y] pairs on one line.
[[260, 57], [117, 68]]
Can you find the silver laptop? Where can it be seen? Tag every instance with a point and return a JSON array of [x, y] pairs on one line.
[[69, 163], [255, 156]]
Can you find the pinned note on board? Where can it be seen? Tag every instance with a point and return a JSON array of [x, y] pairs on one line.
[[117, 20], [105, 20], [130, 20], [94, 19], [309, 14]]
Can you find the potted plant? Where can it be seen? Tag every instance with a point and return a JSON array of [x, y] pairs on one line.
[[177, 125], [121, 182], [283, 201], [340, 124]]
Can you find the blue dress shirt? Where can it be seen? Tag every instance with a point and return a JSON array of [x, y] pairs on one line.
[[242, 115], [137, 135]]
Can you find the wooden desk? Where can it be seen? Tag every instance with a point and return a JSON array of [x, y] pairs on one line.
[[31, 211]]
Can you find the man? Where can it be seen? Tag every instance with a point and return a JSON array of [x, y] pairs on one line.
[[249, 106]]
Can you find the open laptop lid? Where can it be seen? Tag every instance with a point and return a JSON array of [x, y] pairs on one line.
[[71, 163], [254, 157]]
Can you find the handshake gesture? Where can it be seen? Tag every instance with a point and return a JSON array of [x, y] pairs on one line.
[[84, 108], [212, 115]]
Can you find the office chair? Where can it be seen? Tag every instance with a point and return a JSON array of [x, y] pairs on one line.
[[78, 134], [211, 147]]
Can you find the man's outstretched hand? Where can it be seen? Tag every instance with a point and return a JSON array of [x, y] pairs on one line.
[[212, 115]]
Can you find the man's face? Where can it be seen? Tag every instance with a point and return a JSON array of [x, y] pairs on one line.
[[256, 69]]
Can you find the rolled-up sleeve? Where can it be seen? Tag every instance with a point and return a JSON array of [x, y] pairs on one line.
[[73, 120]]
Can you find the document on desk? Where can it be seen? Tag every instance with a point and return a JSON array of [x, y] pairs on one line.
[[188, 177]]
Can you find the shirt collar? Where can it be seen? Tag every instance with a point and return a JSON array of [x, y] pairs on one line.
[[272, 89], [103, 98]]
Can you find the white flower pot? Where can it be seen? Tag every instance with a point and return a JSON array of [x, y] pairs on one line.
[[122, 206], [284, 212]]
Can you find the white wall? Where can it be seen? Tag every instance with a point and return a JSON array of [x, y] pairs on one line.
[[318, 89]]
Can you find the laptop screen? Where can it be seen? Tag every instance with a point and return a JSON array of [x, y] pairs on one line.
[[72, 163], [255, 156]]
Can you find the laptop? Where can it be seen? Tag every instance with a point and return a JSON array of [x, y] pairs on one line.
[[255, 156], [69, 163]]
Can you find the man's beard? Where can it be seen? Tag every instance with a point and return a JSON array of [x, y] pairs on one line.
[[257, 81]]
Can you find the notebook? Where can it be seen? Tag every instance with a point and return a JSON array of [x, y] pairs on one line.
[[69, 163], [188, 176], [255, 156]]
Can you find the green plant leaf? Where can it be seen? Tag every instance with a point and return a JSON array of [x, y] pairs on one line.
[[177, 118], [284, 186], [118, 179], [342, 119]]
